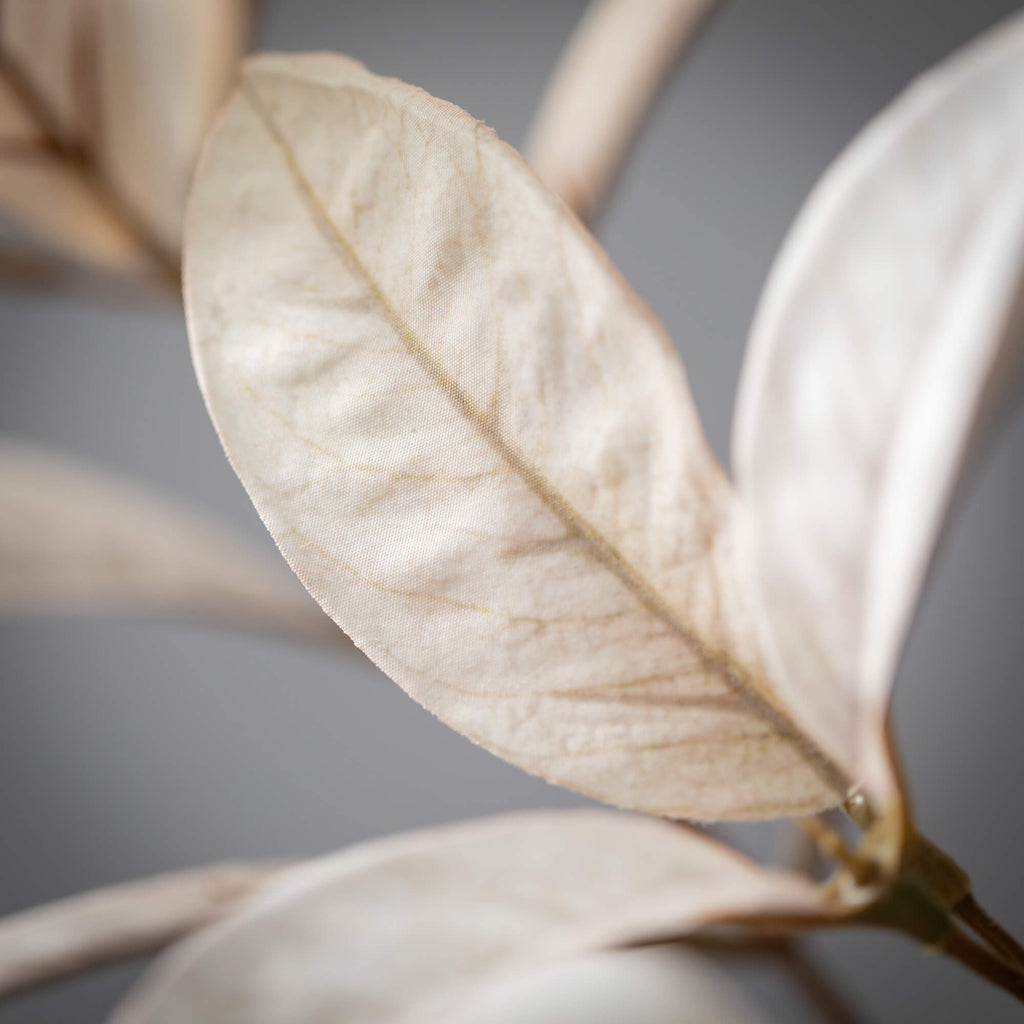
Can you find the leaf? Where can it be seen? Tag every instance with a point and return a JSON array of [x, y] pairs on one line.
[[658, 985], [59, 939], [414, 928], [74, 539], [103, 104], [57, 206], [476, 447], [892, 314], [17, 126]]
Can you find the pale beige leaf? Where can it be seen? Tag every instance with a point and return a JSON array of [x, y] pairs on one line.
[[476, 447], [602, 88], [75, 539], [654, 985], [415, 927], [48, 199], [164, 69], [889, 320]]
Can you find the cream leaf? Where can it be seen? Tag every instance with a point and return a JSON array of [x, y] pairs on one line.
[[476, 447], [889, 323], [417, 928], [77, 539], [653, 985]]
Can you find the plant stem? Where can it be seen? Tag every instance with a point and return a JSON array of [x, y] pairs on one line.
[[969, 911], [605, 83], [63, 938], [831, 844], [984, 963]]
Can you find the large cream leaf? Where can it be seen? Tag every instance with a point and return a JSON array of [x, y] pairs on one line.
[[889, 324], [476, 447], [653, 985], [75, 539], [418, 928], [108, 101]]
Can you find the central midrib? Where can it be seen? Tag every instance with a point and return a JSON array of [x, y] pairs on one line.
[[604, 552]]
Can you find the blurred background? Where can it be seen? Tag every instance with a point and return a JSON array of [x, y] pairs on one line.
[[128, 748]]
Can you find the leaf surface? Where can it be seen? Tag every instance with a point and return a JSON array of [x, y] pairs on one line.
[[653, 985], [889, 329], [75, 539], [476, 447], [415, 928]]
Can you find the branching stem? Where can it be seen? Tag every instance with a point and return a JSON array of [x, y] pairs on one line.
[[603, 87], [984, 963]]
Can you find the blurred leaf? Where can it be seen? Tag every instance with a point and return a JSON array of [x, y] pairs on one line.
[[890, 330], [654, 985], [425, 926], [476, 447], [103, 104], [74, 539]]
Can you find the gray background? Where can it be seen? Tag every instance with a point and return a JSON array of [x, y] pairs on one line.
[[128, 748]]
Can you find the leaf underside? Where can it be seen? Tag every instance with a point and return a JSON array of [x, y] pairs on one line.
[[476, 447]]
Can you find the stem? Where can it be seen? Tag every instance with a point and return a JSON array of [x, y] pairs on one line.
[[985, 964], [63, 938], [947, 881], [606, 81], [1001, 941], [831, 844]]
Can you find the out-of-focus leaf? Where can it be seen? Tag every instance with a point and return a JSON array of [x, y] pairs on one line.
[[656, 985], [889, 323], [74, 539], [51, 198], [95, 928], [108, 101], [476, 447], [17, 126], [416, 928], [50, 47]]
